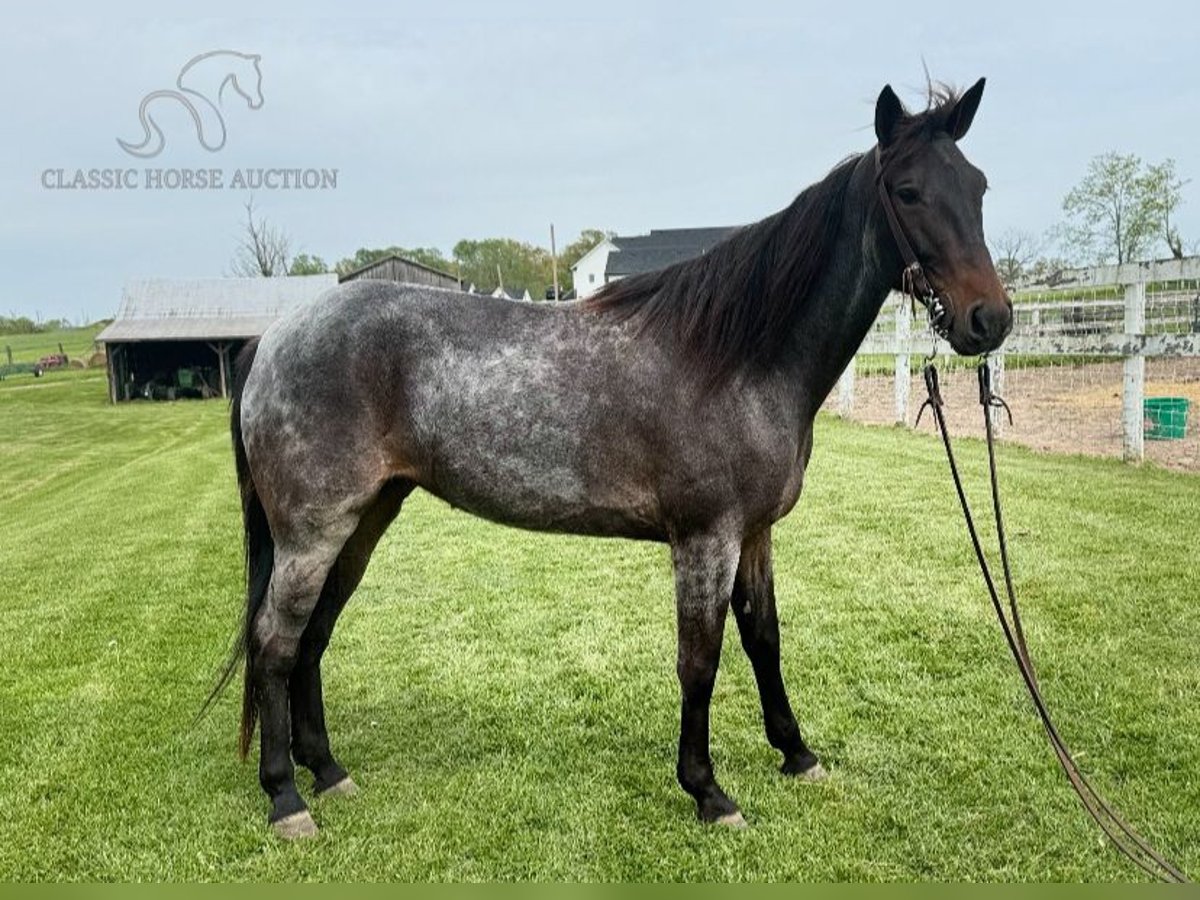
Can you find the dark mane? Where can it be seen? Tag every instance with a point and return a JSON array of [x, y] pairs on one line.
[[736, 305]]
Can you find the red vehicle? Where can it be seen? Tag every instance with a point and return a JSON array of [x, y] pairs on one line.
[[49, 361]]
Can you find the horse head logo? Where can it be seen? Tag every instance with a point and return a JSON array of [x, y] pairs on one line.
[[201, 87]]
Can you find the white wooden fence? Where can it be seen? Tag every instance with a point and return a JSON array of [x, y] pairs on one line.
[[1098, 312]]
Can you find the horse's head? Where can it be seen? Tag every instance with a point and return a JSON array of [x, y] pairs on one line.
[[247, 78], [935, 220]]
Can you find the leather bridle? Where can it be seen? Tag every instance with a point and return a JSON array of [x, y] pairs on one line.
[[913, 280], [916, 285]]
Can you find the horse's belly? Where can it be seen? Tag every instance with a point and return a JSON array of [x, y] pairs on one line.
[[536, 491]]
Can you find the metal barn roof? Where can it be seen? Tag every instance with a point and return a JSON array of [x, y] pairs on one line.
[[193, 309]]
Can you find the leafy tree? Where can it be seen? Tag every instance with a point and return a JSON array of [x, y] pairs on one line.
[[476, 261], [24, 325], [1120, 209], [426, 256], [362, 257], [484, 262], [1165, 190], [18, 325], [432, 257], [1046, 269], [303, 264]]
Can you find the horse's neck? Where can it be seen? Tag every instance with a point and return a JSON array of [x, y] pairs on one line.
[[848, 297]]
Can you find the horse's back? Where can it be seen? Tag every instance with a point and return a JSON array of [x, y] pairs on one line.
[[515, 411]]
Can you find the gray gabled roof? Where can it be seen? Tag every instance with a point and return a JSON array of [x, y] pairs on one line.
[[700, 238], [393, 257], [192, 309], [660, 248]]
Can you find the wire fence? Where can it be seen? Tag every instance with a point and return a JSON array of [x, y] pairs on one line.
[[1104, 363]]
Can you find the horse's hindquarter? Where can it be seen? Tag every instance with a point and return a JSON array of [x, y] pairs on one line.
[[543, 416]]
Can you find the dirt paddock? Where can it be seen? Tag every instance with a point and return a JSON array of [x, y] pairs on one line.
[[1060, 408]]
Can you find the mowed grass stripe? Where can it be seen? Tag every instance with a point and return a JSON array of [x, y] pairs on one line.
[[508, 700]]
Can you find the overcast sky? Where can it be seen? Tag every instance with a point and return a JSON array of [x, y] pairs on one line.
[[489, 119]]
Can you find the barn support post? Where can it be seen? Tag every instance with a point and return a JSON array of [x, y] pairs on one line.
[[221, 348], [845, 403], [903, 332], [122, 372], [110, 355], [1134, 383]]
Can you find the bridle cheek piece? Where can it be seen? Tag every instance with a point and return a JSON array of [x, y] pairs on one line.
[[913, 280]]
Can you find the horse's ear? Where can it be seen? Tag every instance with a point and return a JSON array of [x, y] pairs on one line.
[[964, 110], [888, 113]]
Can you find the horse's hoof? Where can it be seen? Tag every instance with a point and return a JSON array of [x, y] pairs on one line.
[[796, 768], [815, 772], [297, 825], [733, 820], [344, 788]]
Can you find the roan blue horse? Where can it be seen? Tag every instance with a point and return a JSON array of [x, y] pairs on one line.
[[675, 406]]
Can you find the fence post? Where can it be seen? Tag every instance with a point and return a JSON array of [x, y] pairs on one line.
[[903, 331], [996, 413], [845, 404], [1134, 386]]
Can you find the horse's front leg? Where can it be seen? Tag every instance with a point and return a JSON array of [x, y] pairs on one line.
[[758, 623], [704, 570]]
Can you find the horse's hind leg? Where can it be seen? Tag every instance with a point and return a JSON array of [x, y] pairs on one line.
[[704, 570], [758, 623], [310, 739], [306, 548]]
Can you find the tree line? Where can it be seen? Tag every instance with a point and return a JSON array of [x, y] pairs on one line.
[[1122, 210], [265, 249], [25, 325]]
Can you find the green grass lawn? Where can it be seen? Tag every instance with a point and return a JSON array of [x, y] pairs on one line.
[[508, 703]]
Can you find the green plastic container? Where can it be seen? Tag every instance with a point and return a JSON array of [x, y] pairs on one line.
[[1166, 418]]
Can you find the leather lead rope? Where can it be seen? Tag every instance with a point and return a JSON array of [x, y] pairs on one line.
[[1120, 833]]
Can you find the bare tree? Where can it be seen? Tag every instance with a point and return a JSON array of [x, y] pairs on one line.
[[264, 250], [1014, 252]]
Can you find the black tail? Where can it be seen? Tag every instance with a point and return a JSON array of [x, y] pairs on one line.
[[260, 557]]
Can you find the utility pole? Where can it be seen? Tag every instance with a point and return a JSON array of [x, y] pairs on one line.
[[554, 262]]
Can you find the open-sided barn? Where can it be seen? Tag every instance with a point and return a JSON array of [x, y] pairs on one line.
[[178, 337]]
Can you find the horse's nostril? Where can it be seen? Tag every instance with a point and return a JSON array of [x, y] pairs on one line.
[[989, 322], [977, 318]]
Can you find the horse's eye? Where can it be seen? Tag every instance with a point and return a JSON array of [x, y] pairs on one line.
[[907, 195]]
